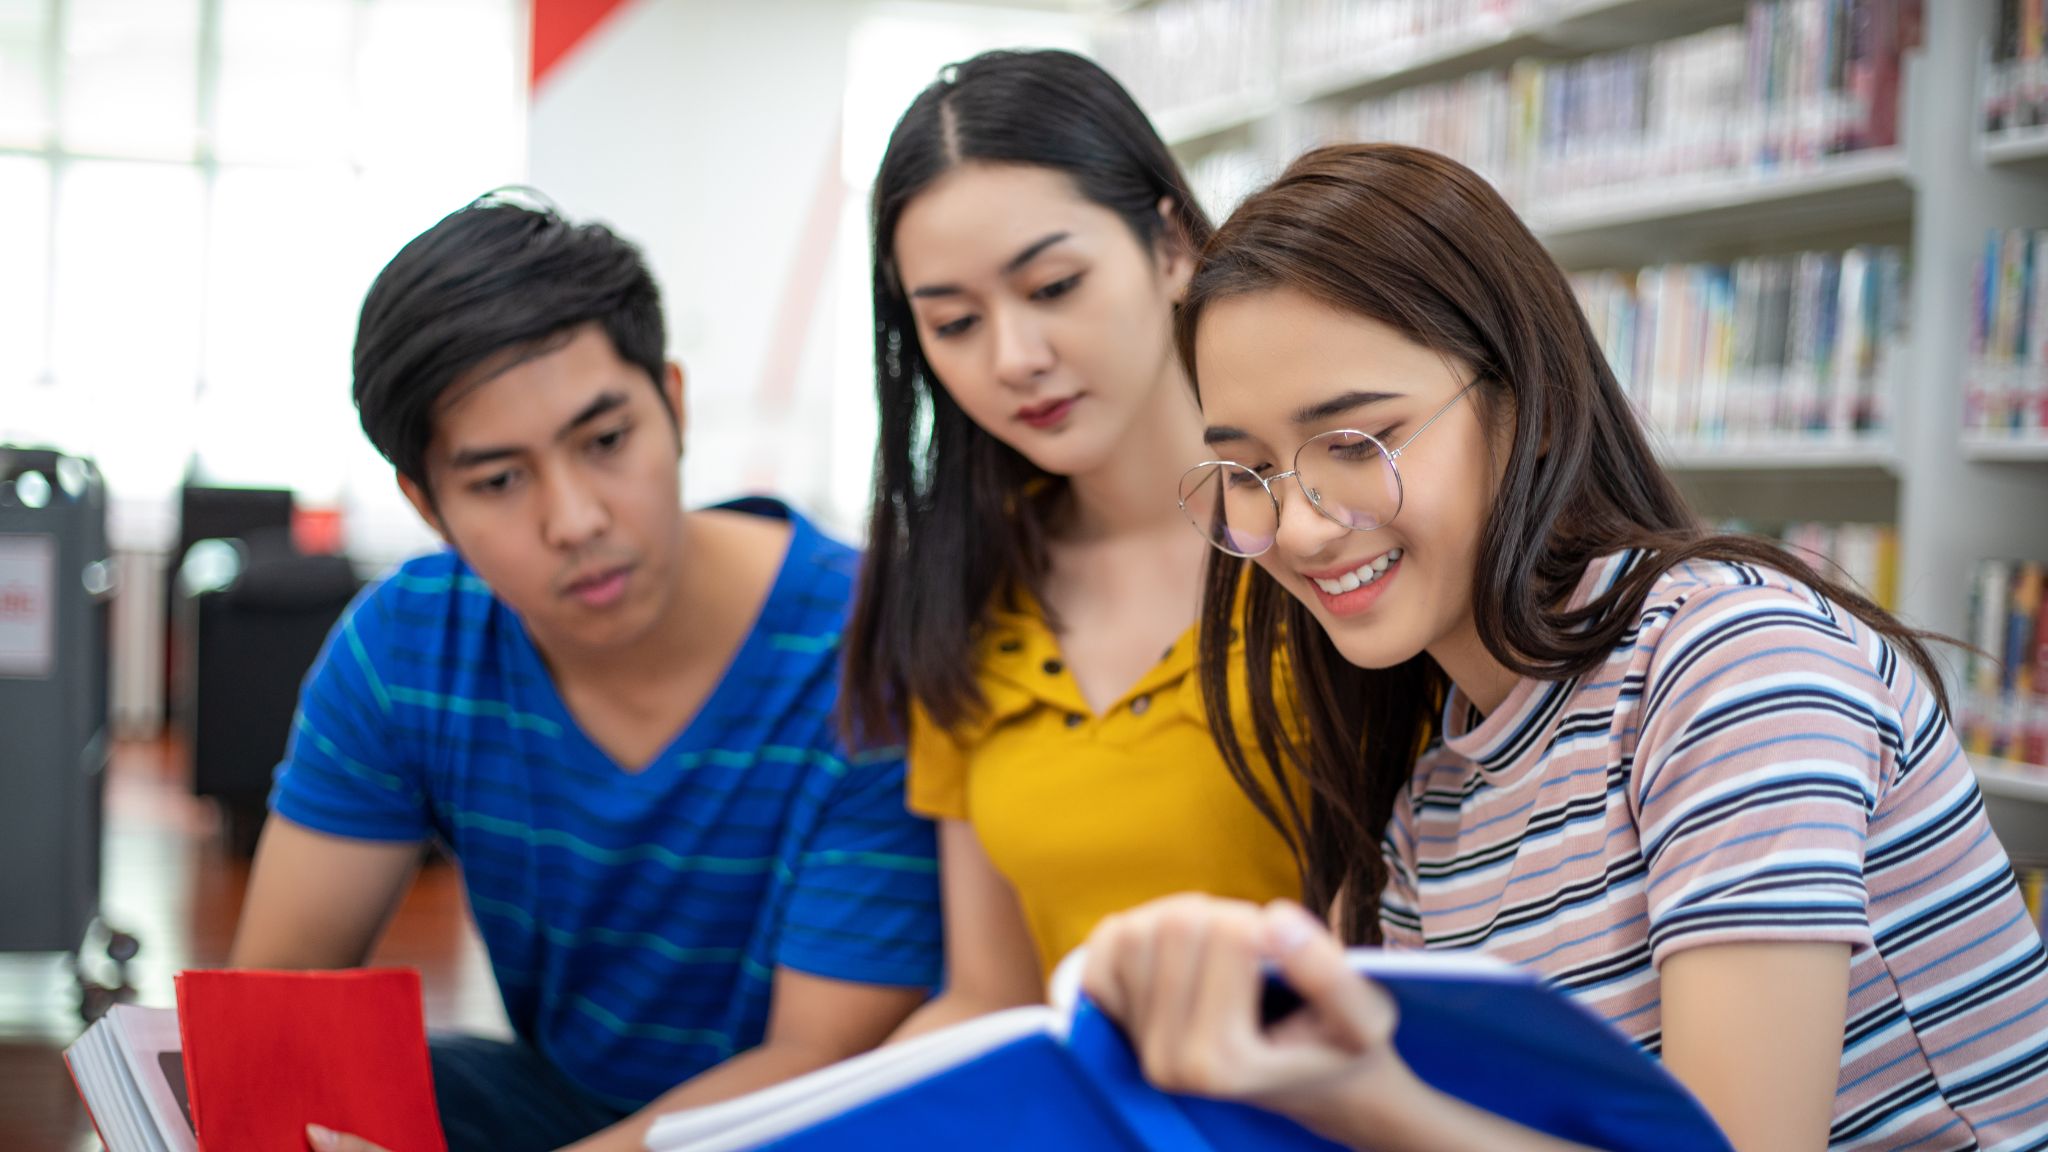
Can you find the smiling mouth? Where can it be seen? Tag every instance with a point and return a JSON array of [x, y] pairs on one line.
[[1358, 577]]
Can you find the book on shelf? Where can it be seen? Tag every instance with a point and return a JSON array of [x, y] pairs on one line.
[[247, 1059], [1333, 37], [1176, 56], [2016, 83], [2005, 390], [1778, 350], [2005, 709], [1794, 83], [1063, 1076], [2034, 890], [1867, 555]]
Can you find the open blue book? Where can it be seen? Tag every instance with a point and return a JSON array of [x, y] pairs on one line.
[[1061, 1078]]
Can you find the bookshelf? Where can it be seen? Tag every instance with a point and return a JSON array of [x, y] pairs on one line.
[[2017, 146], [1716, 212], [1985, 448], [1792, 456], [1955, 496]]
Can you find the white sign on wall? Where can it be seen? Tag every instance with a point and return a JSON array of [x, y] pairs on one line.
[[28, 605]]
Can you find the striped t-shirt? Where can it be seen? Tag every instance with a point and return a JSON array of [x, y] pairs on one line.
[[634, 919], [1751, 763]]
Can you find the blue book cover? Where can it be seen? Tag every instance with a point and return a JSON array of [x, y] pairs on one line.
[[1063, 1077]]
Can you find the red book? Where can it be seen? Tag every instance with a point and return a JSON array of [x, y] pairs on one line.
[[267, 1053]]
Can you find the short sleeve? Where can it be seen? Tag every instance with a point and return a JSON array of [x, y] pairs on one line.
[[1766, 735], [344, 772], [865, 901], [936, 781]]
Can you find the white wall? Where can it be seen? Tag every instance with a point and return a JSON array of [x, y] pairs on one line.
[[707, 131], [710, 132]]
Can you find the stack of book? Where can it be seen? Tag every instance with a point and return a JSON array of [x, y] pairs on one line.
[[1767, 350], [1179, 55], [2005, 390], [1799, 81], [2016, 85], [2005, 706]]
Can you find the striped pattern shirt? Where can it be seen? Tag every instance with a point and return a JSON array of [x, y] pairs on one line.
[[1751, 763], [634, 920]]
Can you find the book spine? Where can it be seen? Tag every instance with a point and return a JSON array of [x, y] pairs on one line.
[[2034, 749], [1994, 582]]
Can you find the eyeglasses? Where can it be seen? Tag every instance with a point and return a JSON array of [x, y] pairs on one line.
[[1347, 475]]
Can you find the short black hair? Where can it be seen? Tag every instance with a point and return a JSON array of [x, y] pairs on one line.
[[506, 272]]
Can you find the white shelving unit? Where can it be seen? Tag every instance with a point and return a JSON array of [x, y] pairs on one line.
[[1955, 498], [2017, 147], [1752, 208], [1989, 449], [1782, 456]]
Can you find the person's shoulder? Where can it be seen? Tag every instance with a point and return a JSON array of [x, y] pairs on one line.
[[1714, 614], [1731, 591], [421, 596], [822, 568]]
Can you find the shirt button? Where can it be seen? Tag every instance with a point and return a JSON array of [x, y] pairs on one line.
[[1075, 719], [1141, 705], [1054, 667]]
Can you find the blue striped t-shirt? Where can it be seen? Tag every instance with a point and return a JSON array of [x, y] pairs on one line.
[[634, 920]]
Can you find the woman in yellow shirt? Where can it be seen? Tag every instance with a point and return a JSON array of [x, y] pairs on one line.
[[1028, 604]]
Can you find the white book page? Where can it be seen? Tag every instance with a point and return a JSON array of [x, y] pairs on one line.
[[117, 1106], [1462, 965], [759, 1117], [144, 1035]]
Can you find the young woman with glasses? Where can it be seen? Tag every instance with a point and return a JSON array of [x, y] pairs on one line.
[[1026, 617], [1706, 790]]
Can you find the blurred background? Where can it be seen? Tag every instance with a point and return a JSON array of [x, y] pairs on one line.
[[1811, 234]]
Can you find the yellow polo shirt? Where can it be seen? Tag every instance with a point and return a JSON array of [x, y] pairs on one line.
[[1087, 815]]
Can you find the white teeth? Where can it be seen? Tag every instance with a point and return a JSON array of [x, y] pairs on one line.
[[1362, 575]]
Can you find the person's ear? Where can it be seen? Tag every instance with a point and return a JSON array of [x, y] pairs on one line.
[[423, 504], [1176, 250], [673, 380]]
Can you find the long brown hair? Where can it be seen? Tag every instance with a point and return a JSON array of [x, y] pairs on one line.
[[959, 517], [1418, 242]]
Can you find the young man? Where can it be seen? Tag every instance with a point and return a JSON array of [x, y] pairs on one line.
[[616, 714]]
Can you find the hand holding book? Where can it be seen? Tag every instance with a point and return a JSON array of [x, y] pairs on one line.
[[1184, 978]]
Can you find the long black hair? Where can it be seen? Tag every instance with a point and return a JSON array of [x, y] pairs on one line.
[[1419, 243], [958, 515]]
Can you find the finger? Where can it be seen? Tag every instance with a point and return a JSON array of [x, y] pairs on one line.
[[1359, 1014], [1101, 973], [1220, 1039], [328, 1140], [1181, 928]]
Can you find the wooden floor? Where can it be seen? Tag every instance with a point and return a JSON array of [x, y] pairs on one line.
[[170, 881]]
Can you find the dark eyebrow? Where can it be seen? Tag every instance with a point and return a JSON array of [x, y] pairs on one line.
[[1338, 406], [1223, 434], [1031, 252], [603, 403]]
